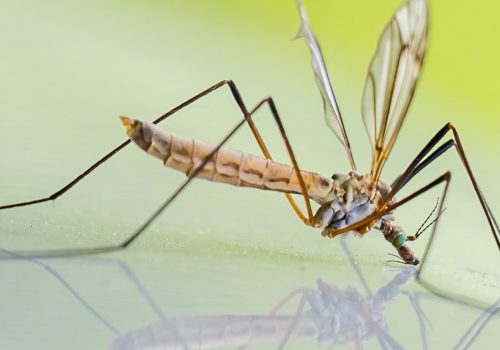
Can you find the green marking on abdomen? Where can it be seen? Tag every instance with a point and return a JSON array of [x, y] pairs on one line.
[[399, 241]]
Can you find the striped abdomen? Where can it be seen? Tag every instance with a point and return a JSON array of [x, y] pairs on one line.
[[215, 332], [227, 166]]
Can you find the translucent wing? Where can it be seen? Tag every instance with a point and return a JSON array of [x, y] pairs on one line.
[[332, 112], [392, 78]]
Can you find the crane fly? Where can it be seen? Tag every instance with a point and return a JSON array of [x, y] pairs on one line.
[[347, 202]]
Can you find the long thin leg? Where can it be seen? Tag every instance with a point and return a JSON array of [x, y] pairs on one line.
[[432, 288], [149, 221], [361, 277], [415, 304], [66, 285], [431, 158], [303, 291], [419, 163], [111, 153], [361, 309], [412, 169], [274, 111], [378, 214], [239, 100], [479, 323], [422, 318], [355, 266], [305, 294], [293, 322], [446, 177]]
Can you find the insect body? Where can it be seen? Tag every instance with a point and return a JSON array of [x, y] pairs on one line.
[[351, 202], [347, 202], [226, 165], [344, 199]]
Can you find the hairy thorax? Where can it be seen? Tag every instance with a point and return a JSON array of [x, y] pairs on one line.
[[352, 198]]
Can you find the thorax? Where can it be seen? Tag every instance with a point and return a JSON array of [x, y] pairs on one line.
[[353, 197]]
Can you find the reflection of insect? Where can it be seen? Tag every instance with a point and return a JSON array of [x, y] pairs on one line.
[[351, 202], [333, 316]]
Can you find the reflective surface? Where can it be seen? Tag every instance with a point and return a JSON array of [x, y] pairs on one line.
[[191, 302], [69, 71]]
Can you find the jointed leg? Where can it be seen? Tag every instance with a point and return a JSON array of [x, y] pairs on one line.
[[420, 163], [293, 322], [117, 149], [429, 286], [363, 311], [148, 222], [469, 337], [246, 113], [66, 285], [355, 266], [176, 193], [307, 220], [305, 294], [489, 215], [412, 169], [380, 213]]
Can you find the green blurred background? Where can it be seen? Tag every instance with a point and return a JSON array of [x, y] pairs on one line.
[[68, 69]]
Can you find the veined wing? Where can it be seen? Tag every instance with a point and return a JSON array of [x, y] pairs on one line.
[[392, 78], [332, 112]]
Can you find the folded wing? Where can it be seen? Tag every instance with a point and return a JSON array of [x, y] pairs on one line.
[[332, 112], [392, 77]]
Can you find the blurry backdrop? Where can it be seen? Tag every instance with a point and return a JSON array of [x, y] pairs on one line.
[[69, 69]]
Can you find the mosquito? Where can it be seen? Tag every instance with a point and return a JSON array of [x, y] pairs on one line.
[[347, 202]]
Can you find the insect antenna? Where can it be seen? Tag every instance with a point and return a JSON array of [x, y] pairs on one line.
[[428, 217], [433, 221], [419, 232]]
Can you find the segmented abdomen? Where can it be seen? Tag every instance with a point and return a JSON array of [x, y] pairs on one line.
[[227, 165], [215, 332]]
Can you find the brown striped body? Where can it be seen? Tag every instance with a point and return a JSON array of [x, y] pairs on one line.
[[227, 165], [215, 332]]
